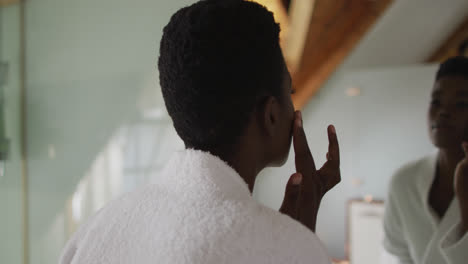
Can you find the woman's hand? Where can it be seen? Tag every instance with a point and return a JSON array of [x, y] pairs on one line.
[[461, 187], [306, 187]]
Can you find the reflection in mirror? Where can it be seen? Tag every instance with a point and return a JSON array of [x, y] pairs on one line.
[[427, 208]]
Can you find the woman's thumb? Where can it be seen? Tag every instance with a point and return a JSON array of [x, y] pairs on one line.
[[291, 195]]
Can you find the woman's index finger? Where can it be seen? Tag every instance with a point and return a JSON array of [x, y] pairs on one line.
[[333, 145], [303, 157]]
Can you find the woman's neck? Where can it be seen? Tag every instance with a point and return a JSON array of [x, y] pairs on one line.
[[447, 163], [246, 162]]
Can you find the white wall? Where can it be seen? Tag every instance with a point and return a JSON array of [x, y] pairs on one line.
[[378, 131], [408, 33], [10, 184]]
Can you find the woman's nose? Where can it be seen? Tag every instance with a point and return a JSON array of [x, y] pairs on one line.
[[443, 113]]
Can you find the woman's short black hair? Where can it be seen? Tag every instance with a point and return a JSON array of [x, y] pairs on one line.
[[218, 58], [455, 66]]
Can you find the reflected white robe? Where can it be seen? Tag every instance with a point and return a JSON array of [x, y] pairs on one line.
[[413, 231], [198, 211]]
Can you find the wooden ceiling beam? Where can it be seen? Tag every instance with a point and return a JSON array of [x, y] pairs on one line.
[[451, 46], [300, 15], [8, 2], [333, 30]]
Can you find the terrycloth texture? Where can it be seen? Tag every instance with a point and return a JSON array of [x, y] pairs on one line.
[[413, 231], [198, 211]]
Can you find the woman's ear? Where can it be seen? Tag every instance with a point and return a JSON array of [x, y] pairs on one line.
[[270, 115]]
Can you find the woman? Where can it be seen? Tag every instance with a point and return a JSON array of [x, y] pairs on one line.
[[426, 219], [228, 92]]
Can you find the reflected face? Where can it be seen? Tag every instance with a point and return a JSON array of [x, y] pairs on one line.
[[284, 134], [448, 112]]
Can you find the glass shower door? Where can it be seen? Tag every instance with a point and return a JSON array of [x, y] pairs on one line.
[[12, 192]]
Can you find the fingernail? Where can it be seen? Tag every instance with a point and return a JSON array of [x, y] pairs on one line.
[[332, 129], [297, 179], [299, 118]]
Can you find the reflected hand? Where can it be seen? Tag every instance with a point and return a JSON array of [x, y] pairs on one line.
[[461, 176], [461, 188], [306, 188]]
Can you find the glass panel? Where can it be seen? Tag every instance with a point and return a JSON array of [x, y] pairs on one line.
[[97, 125], [11, 195]]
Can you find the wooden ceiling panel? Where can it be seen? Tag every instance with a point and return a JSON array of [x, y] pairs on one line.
[[334, 28], [8, 2], [451, 47]]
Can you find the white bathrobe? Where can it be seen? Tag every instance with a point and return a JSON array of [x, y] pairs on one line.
[[413, 231], [199, 210]]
